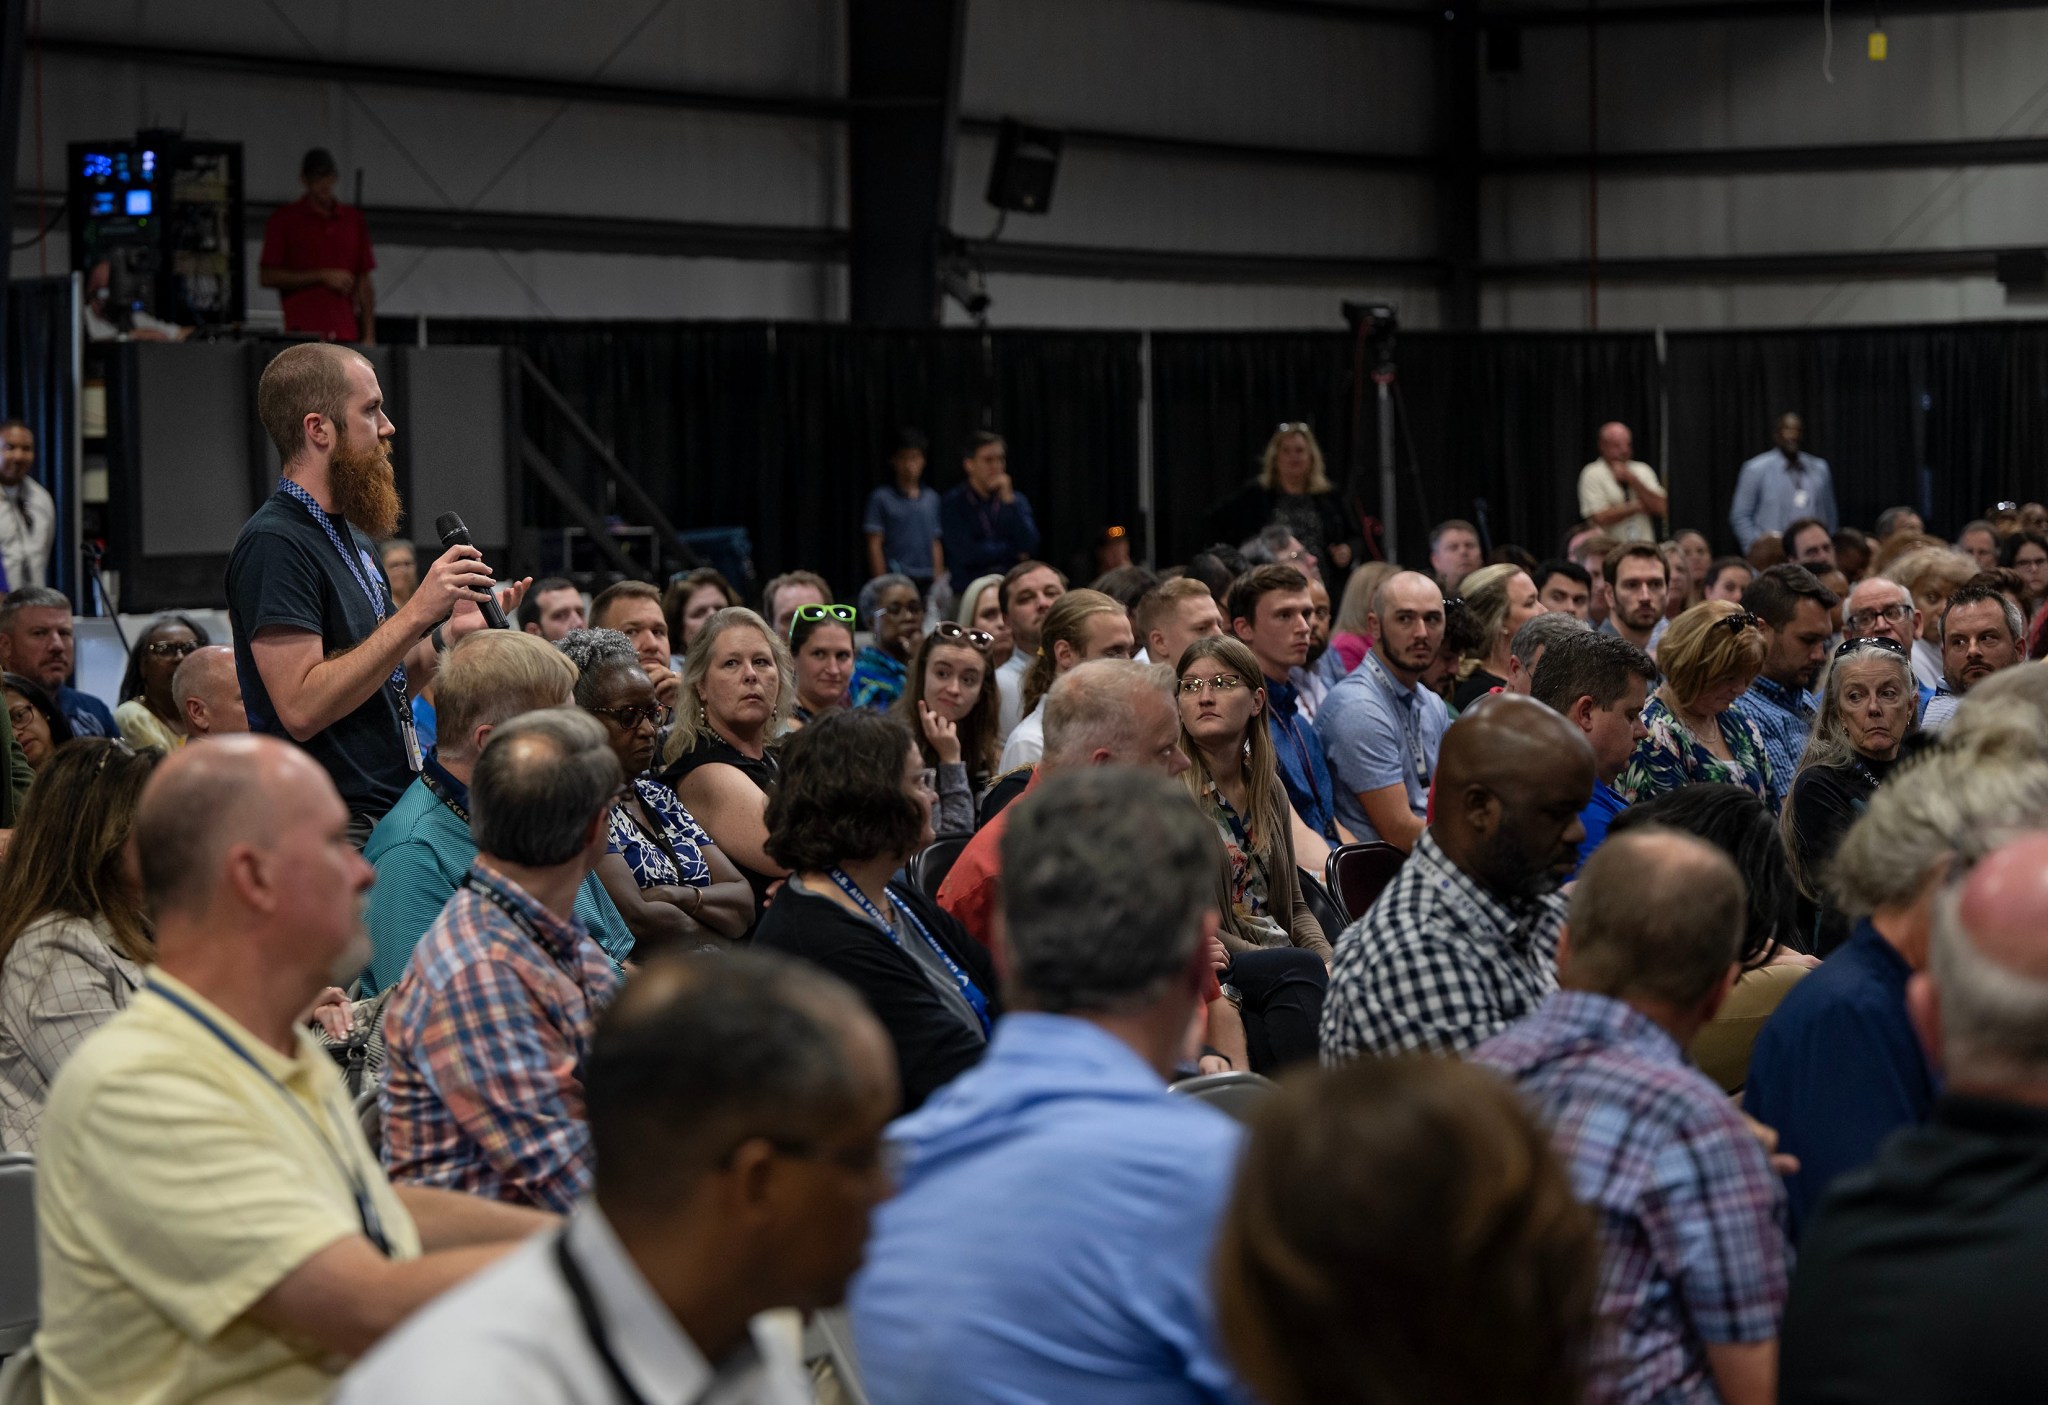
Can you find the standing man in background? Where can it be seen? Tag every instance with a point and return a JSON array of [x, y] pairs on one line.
[[902, 522], [1782, 485], [316, 253], [986, 522], [28, 515], [1618, 493]]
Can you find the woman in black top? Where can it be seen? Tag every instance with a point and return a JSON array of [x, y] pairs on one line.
[[1866, 717], [1502, 599], [853, 805], [737, 689], [1294, 491]]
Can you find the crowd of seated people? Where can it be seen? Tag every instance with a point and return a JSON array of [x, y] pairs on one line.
[[683, 1013]]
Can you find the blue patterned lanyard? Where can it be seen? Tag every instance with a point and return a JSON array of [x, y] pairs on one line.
[[969, 991], [349, 559]]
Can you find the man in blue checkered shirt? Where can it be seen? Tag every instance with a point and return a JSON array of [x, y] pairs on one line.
[[1792, 607], [1695, 1264]]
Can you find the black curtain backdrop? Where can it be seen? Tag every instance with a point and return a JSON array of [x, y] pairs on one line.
[[38, 391], [784, 428]]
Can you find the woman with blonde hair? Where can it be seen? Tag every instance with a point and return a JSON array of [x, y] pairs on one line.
[[1293, 490], [1710, 656], [736, 692], [1502, 599], [1081, 625], [1350, 630]]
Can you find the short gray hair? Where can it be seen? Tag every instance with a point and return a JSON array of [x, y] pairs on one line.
[[542, 778], [31, 597], [1994, 1020], [1107, 871], [870, 602], [1543, 631], [596, 652], [1092, 706]]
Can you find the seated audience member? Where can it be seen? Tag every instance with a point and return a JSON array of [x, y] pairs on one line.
[[633, 608], [1563, 587], [1894, 520], [1766, 551], [1081, 625], [1380, 726], [1279, 955], [951, 706], [1217, 566], [1699, 558], [737, 1109], [1453, 553], [207, 693], [552, 608], [73, 936], [981, 607], [1277, 546], [1090, 1193], [1588, 551], [401, 568], [1502, 599], [737, 687], [789, 592], [821, 651], [690, 600], [1442, 1258], [2026, 555], [1979, 541], [1678, 591], [1350, 629], [1931, 574], [1981, 633], [1880, 608], [1533, 640], [1915, 1277], [213, 1224], [852, 807], [39, 728], [1695, 1266], [1127, 585], [1027, 594], [423, 849], [1791, 608], [1852, 554], [1727, 578], [892, 608], [1173, 615], [1638, 581], [148, 715], [1268, 608], [1463, 942], [1599, 683], [1308, 679], [1837, 1069], [661, 871], [1710, 657], [486, 1033], [1809, 543], [36, 642], [1865, 720]]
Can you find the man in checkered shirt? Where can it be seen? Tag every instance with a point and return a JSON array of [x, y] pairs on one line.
[[1695, 1264], [1464, 941]]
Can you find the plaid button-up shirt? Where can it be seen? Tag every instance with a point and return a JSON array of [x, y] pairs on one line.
[[1438, 963], [483, 1088], [1784, 718], [1691, 1215]]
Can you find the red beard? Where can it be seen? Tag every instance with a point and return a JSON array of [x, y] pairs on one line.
[[364, 488]]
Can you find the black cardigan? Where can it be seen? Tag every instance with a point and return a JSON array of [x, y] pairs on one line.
[[932, 1046]]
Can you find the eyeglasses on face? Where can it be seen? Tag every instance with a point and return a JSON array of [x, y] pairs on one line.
[[900, 608], [1890, 614], [170, 648], [844, 614], [1874, 641], [1222, 683], [632, 715], [979, 639]]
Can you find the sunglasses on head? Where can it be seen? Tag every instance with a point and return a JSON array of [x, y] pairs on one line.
[[978, 639], [1872, 641], [1739, 621], [844, 614]]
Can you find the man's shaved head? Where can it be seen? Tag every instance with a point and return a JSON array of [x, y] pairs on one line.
[[204, 800], [1511, 779]]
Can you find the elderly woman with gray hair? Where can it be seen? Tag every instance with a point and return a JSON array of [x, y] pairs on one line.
[[1838, 1068], [891, 606]]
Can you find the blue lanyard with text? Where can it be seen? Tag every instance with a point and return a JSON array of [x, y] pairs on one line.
[[1411, 717], [348, 559], [969, 991], [366, 1210]]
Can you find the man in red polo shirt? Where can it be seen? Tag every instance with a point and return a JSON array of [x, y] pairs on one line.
[[316, 253]]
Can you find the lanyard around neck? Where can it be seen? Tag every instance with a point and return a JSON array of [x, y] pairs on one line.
[[969, 991], [593, 1325], [349, 559]]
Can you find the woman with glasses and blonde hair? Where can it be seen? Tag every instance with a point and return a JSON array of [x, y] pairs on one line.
[[1293, 490], [148, 715], [953, 709], [663, 872], [1710, 656], [1279, 956], [737, 688]]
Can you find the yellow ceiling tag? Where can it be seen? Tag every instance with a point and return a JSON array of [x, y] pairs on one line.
[[1877, 46]]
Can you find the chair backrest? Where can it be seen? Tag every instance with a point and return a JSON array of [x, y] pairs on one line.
[[19, 1282], [1322, 906], [1358, 873], [929, 866], [1001, 791], [1236, 1093]]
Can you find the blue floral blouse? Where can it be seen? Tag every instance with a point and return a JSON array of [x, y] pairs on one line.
[[1671, 756], [652, 867]]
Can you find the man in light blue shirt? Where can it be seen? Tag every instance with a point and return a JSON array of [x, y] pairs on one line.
[[1051, 1237], [1380, 727], [1782, 485]]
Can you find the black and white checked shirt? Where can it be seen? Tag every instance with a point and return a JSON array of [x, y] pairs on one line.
[[1438, 964]]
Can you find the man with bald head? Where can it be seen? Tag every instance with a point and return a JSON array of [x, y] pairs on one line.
[[1691, 1215], [1380, 727], [1618, 493], [1924, 1274], [213, 1223], [207, 693], [1463, 942]]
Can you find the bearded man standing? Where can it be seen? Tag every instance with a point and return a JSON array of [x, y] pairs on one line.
[[325, 655]]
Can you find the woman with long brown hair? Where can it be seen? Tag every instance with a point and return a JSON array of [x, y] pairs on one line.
[[953, 709]]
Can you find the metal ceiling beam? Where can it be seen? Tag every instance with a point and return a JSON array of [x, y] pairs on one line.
[[1769, 160], [1877, 263], [1717, 10]]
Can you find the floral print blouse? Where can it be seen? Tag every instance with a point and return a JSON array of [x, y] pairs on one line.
[[651, 863], [1671, 756]]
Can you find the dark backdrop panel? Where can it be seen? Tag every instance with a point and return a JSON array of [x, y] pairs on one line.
[[38, 391]]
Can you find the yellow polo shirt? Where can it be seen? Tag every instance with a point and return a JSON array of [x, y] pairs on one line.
[[177, 1183]]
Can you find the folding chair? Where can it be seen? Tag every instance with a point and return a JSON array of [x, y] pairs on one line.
[[1358, 873]]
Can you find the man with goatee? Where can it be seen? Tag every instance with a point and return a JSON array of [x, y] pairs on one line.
[[325, 655]]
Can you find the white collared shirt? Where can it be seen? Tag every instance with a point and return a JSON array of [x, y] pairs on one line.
[[28, 525], [512, 1335]]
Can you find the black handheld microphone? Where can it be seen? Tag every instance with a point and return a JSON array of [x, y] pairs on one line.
[[453, 533]]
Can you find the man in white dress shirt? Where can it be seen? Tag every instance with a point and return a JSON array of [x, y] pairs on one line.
[[1619, 493], [28, 514], [737, 1108]]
